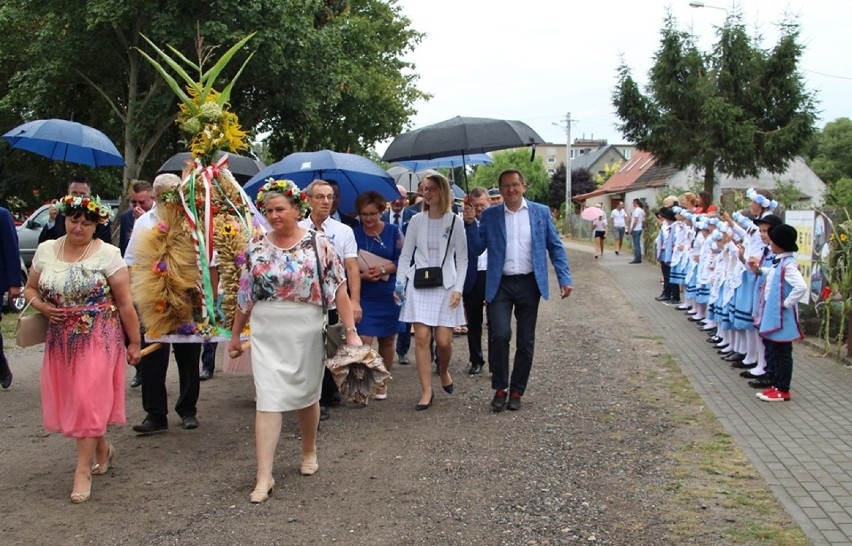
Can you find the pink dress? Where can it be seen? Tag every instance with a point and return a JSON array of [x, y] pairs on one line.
[[82, 378]]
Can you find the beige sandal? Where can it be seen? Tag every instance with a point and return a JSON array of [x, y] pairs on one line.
[[309, 465], [99, 469], [261, 494]]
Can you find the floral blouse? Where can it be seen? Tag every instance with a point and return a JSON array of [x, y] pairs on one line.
[[290, 274]]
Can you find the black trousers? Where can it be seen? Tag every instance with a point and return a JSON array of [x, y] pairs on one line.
[[518, 293], [779, 363], [329, 393], [473, 310], [154, 368], [669, 289]]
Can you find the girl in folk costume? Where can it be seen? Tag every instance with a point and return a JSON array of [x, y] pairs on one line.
[[697, 237], [707, 274], [778, 310], [717, 277], [758, 376], [733, 278], [704, 270], [680, 251]]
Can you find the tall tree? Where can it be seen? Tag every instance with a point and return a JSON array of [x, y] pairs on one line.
[[326, 73], [736, 110], [832, 154], [534, 172]]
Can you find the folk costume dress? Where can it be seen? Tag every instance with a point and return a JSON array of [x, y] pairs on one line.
[[282, 289], [82, 378]]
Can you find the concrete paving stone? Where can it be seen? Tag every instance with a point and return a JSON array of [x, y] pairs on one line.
[[835, 537], [816, 515]]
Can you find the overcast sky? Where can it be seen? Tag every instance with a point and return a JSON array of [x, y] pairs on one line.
[[537, 60]]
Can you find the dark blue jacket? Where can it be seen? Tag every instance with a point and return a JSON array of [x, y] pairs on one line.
[[10, 254]]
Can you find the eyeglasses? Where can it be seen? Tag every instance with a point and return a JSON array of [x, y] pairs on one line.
[[428, 189], [368, 214], [323, 197]]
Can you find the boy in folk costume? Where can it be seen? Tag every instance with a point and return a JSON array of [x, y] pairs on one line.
[[778, 310], [677, 273], [760, 375], [665, 250]]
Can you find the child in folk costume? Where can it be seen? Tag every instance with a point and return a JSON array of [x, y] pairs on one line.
[[702, 244], [671, 292], [696, 240], [680, 253], [778, 310], [760, 375], [733, 268], [712, 252], [744, 333]]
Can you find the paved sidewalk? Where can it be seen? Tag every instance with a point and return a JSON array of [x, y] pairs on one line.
[[802, 448]]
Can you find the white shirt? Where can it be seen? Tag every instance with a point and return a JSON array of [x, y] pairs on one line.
[[639, 215], [792, 276], [518, 241], [143, 223], [618, 217], [340, 235]]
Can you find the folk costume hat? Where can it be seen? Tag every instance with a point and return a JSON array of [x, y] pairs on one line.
[[770, 219], [667, 214], [784, 236]]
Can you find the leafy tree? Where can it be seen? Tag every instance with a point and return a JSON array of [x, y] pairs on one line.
[[582, 182], [832, 155], [534, 172], [839, 194], [326, 73], [556, 196], [609, 170], [735, 110]]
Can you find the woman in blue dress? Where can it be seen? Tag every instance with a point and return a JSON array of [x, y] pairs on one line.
[[379, 246]]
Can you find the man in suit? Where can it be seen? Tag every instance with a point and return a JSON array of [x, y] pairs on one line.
[[345, 219], [141, 201], [399, 215], [10, 279], [55, 226], [474, 288], [519, 235]]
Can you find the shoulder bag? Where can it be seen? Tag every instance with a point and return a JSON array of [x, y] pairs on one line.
[[31, 329], [332, 334], [433, 277]]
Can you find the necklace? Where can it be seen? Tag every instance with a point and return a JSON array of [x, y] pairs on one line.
[[374, 238], [80, 258]]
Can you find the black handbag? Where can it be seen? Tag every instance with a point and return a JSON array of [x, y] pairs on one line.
[[332, 334], [433, 277]]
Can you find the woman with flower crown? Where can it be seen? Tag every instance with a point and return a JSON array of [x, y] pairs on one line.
[[82, 286], [282, 294]]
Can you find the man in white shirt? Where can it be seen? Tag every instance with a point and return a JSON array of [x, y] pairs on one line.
[[321, 195], [155, 365], [637, 224], [619, 224]]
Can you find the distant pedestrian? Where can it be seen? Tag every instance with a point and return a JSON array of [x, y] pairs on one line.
[[599, 229], [10, 279], [637, 224], [474, 288], [619, 225]]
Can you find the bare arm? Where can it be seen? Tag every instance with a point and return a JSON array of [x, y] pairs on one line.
[[119, 283], [344, 311], [353, 279]]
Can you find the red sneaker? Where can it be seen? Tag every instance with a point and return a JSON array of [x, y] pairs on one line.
[[774, 395], [766, 392]]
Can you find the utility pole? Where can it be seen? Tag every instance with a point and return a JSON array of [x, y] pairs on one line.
[[568, 203]]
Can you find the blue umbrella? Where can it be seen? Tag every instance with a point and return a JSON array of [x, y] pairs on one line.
[[448, 162], [353, 173], [64, 140]]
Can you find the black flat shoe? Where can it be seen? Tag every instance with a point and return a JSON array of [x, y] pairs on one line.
[[736, 358], [475, 369], [136, 381], [189, 422], [424, 407], [693, 319], [662, 298], [760, 383], [748, 375], [6, 381], [498, 403], [740, 366]]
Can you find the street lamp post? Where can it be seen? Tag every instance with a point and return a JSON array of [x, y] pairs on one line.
[[700, 4], [567, 164]]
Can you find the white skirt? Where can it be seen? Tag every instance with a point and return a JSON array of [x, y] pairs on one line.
[[286, 354], [431, 306]]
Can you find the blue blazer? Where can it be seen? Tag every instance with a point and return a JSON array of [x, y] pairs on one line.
[[10, 256], [472, 271], [490, 233], [126, 228]]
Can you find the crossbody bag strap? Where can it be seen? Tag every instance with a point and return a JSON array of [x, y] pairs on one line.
[[449, 239], [319, 272]]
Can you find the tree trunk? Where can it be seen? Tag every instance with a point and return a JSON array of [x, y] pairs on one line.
[[709, 177]]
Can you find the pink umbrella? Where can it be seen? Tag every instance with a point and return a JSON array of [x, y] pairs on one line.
[[591, 213]]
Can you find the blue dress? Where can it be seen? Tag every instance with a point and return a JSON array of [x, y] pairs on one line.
[[380, 313]]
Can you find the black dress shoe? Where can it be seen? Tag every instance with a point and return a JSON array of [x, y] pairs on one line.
[[760, 383], [748, 375], [514, 402], [205, 375], [136, 381], [6, 381], [475, 369], [725, 351], [693, 319], [324, 413], [714, 339], [736, 358], [150, 427], [498, 403], [189, 422], [662, 298], [634, 262], [742, 366]]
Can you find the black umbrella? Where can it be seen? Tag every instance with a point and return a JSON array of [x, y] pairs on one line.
[[459, 136], [242, 167]]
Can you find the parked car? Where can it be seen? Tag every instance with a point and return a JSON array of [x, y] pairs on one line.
[[29, 231], [16, 305]]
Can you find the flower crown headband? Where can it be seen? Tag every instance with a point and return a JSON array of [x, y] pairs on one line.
[[71, 203], [288, 189], [742, 220], [761, 200]]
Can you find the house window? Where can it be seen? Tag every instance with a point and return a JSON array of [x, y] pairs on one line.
[[626, 153], [551, 160]]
